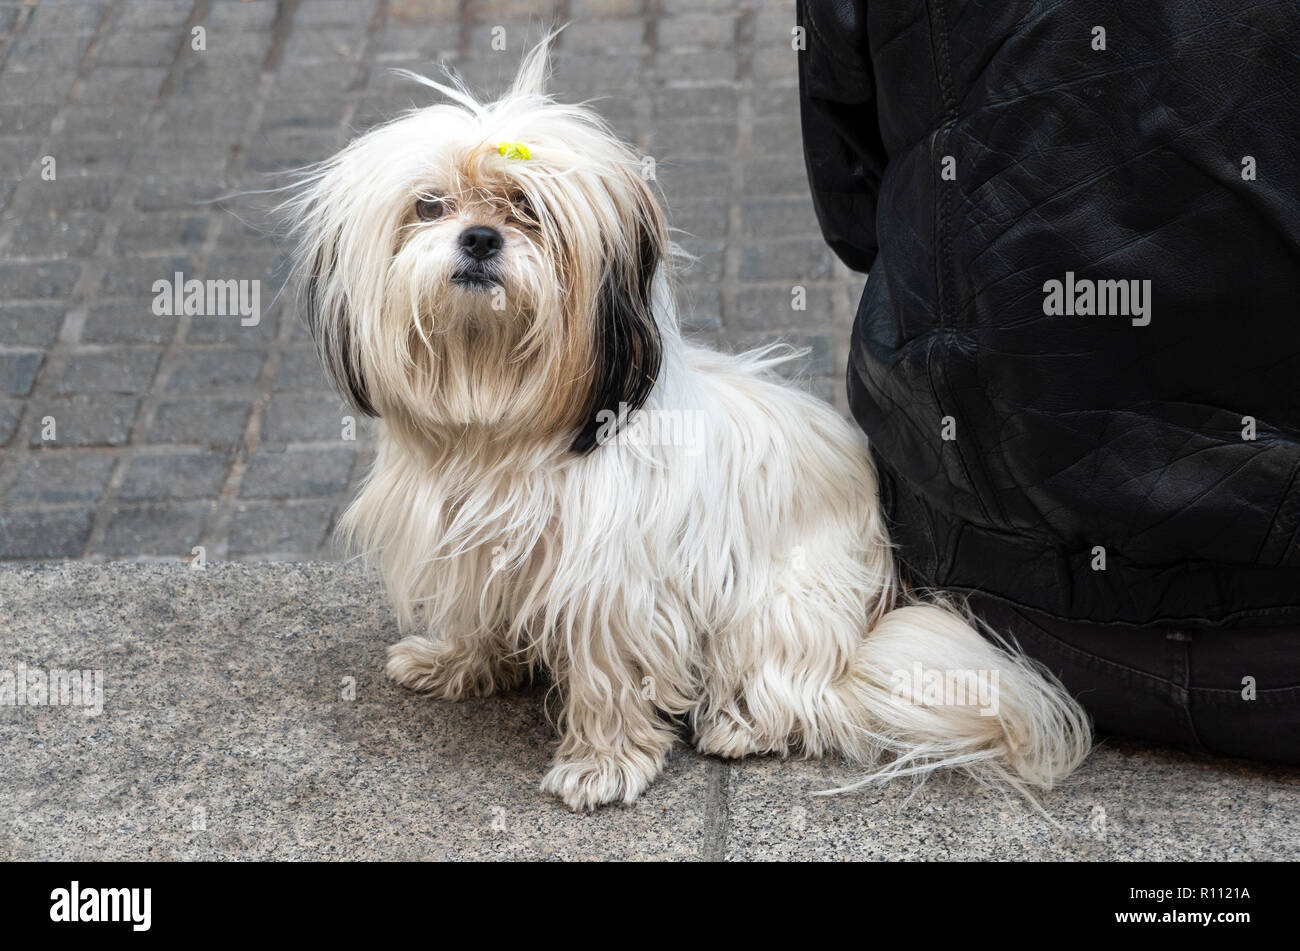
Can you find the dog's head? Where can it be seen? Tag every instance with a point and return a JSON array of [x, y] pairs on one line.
[[491, 267]]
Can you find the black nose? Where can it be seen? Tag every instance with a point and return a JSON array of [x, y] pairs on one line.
[[480, 242]]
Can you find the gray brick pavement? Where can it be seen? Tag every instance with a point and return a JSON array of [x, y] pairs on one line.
[[124, 434]]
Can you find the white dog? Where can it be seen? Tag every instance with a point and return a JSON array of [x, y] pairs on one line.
[[675, 534]]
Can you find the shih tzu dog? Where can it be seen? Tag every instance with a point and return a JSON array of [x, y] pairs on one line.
[[680, 538]]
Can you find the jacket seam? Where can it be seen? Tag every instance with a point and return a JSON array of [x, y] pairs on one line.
[[944, 284]]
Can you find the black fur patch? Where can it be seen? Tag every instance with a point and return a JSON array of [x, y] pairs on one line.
[[628, 347], [336, 348]]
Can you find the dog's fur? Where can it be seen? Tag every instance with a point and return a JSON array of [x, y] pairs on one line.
[[743, 584]]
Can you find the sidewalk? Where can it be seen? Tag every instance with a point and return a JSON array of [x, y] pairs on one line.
[[226, 734], [175, 432]]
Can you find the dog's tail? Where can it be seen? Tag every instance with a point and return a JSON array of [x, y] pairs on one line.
[[925, 692]]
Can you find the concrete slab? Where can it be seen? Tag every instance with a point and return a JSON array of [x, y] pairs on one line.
[[246, 716], [226, 733]]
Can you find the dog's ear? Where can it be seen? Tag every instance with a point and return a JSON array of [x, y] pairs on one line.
[[326, 308], [627, 346]]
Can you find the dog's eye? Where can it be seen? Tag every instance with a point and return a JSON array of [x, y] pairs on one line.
[[523, 209], [430, 209]]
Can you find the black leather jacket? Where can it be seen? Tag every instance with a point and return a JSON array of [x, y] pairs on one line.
[[1138, 464]]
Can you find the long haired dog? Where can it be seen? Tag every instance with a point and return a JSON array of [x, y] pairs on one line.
[[677, 535]]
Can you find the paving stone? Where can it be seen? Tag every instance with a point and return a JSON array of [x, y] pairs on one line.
[[32, 117], [315, 81], [127, 321], [624, 35], [243, 237], [154, 529], [48, 279], [118, 121], [324, 46], [270, 269], [703, 218], [205, 422], [33, 83], [297, 474], [18, 371], [689, 178], [79, 155], [175, 476], [783, 218], [701, 102], [75, 189], [207, 126], [35, 50], [135, 277], [231, 329], [292, 417], [33, 533], [695, 30], [240, 16], [63, 19], [204, 80], [335, 13], [300, 369], [274, 527], [82, 420], [11, 412], [151, 48], [605, 8], [774, 306], [284, 152], [154, 233], [52, 477], [114, 83], [304, 114], [233, 49], [198, 371], [154, 15], [58, 235], [165, 194], [696, 66], [110, 371], [608, 73], [773, 176], [793, 260]]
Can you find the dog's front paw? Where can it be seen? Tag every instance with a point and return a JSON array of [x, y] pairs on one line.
[[444, 670], [585, 784]]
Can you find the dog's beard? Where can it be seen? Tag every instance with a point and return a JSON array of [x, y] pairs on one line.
[[474, 349]]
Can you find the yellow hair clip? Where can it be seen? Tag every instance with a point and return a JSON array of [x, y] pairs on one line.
[[515, 150]]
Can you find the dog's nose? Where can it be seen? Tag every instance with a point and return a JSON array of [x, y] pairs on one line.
[[480, 242]]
